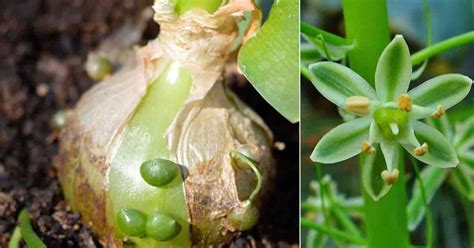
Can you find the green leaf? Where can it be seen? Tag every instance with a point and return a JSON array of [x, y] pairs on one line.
[[393, 73], [432, 178], [465, 135], [372, 167], [342, 142], [440, 151], [270, 60], [27, 232], [337, 82], [446, 90]]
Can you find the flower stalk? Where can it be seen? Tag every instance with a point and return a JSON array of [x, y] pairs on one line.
[[366, 24]]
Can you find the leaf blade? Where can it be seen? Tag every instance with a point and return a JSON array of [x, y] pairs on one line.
[[270, 59]]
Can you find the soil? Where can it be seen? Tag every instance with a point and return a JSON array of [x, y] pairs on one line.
[[43, 46]]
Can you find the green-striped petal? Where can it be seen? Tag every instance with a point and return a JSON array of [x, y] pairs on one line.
[[446, 90], [440, 151], [393, 73], [342, 142], [337, 82], [373, 165], [432, 178]]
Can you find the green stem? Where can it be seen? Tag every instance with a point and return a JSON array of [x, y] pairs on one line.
[[429, 222], [345, 221], [321, 194], [314, 32], [442, 46], [366, 23], [332, 232]]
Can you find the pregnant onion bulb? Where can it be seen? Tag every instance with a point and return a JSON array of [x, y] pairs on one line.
[[162, 153]]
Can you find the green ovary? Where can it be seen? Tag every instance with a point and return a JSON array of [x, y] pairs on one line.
[[144, 140], [385, 117]]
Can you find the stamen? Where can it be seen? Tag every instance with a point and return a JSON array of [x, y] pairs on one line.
[[367, 148], [439, 112], [422, 150], [394, 128], [358, 105], [390, 177], [404, 102]]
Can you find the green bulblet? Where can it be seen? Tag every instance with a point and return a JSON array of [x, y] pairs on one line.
[[162, 227], [244, 219], [391, 122], [131, 222], [182, 6], [158, 172], [98, 67]]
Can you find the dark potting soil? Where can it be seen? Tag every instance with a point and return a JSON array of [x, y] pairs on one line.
[[43, 46]]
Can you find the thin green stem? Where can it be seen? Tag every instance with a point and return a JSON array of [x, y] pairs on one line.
[[335, 233], [15, 239], [254, 168], [345, 221], [429, 222], [321, 193], [442, 46], [313, 32]]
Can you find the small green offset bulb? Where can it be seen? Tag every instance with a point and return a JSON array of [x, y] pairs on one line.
[[98, 67], [158, 172], [244, 219], [162, 227], [132, 222]]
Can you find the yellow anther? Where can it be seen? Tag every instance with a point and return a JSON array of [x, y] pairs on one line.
[[367, 148], [422, 150], [358, 105], [439, 112], [404, 102], [390, 177]]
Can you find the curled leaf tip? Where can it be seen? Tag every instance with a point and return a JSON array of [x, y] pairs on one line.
[[422, 150], [390, 177], [405, 102]]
